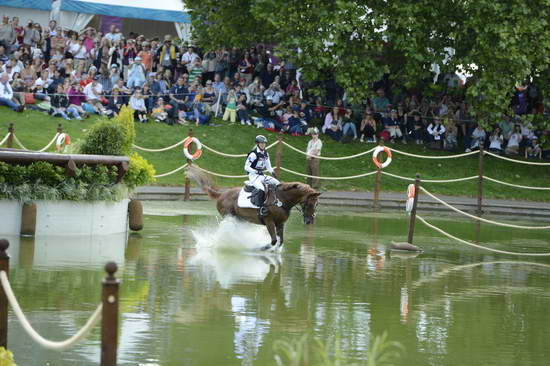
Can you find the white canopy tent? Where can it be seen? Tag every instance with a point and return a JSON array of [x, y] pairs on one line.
[[151, 18]]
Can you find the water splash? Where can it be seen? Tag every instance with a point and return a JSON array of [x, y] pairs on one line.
[[231, 235]]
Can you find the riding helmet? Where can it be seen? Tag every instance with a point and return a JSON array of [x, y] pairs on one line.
[[261, 138]]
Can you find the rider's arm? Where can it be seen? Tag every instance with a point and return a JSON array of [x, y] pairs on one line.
[[249, 161], [268, 165]]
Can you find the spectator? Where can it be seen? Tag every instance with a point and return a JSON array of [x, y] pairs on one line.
[[242, 110], [513, 141], [231, 108], [314, 147], [367, 128], [496, 139], [437, 132], [6, 94], [188, 59], [274, 93], [533, 149], [160, 113], [391, 125], [7, 34], [167, 54], [348, 126], [451, 136], [137, 103], [477, 138], [136, 74], [60, 105]]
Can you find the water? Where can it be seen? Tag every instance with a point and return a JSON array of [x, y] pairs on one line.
[[188, 297]]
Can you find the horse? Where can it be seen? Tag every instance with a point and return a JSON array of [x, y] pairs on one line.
[[289, 195]]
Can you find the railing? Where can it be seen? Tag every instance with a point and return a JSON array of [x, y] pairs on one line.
[[107, 311], [414, 216]]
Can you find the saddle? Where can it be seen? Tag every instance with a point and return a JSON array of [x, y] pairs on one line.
[[256, 196]]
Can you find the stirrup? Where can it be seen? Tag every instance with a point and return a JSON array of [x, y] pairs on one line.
[[263, 210]]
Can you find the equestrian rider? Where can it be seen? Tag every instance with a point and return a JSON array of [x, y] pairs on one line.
[[257, 163]]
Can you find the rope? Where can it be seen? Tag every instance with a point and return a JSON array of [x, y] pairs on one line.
[[476, 245], [515, 160], [482, 219], [220, 175], [433, 156], [171, 172], [5, 139], [50, 144], [516, 185], [234, 155], [90, 323], [157, 150], [19, 142], [326, 157], [431, 180], [328, 178]]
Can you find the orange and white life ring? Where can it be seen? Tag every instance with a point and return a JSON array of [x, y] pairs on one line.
[[198, 152], [62, 140], [411, 191], [377, 151]]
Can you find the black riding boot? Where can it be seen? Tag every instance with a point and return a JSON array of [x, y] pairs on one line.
[[262, 210]]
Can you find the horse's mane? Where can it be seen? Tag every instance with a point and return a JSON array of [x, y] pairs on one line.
[[300, 187]]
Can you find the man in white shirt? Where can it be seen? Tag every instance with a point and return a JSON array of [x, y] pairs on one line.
[[6, 94], [93, 91], [314, 147], [188, 58]]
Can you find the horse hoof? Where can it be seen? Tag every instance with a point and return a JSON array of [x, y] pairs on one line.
[[265, 248], [280, 248]]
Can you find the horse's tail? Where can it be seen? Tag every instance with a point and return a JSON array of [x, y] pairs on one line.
[[204, 181]]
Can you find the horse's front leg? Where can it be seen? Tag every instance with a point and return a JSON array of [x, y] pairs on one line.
[[280, 234], [272, 232]]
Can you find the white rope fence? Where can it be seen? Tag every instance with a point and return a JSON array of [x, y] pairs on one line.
[[480, 218], [5, 139], [158, 150], [431, 180], [234, 155], [220, 175], [515, 160], [328, 178], [433, 156], [171, 172], [515, 185], [19, 142], [477, 245], [49, 144], [327, 157], [54, 345]]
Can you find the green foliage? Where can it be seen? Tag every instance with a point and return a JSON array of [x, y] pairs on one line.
[[6, 357], [125, 119], [44, 181], [105, 138], [498, 43], [306, 352], [140, 172]]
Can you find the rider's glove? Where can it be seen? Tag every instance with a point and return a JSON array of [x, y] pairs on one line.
[[260, 172], [274, 175]]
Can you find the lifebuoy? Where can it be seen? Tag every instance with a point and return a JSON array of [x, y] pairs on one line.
[[377, 151], [411, 191], [198, 152], [62, 140]]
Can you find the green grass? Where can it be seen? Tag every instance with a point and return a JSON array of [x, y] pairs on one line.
[[35, 130]]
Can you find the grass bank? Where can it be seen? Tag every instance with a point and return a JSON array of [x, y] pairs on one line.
[[35, 130]]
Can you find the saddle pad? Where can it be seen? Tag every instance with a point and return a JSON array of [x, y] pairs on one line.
[[244, 200]]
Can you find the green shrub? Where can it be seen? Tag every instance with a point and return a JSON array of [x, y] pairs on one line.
[[125, 119], [6, 357], [140, 172], [104, 138], [45, 173]]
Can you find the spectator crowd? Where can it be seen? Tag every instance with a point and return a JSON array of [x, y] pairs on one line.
[[73, 75]]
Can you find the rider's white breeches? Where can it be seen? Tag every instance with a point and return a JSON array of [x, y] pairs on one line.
[[257, 181]]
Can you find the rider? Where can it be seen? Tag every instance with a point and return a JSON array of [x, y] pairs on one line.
[[257, 162]]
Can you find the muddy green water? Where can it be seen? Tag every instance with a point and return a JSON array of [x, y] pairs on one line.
[[336, 280]]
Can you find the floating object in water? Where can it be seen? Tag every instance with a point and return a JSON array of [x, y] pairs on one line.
[[405, 247]]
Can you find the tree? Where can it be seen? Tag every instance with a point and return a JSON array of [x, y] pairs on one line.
[[500, 44]]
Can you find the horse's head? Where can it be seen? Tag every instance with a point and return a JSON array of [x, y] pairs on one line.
[[309, 205]]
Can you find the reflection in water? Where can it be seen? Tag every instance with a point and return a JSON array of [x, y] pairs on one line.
[[196, 295]]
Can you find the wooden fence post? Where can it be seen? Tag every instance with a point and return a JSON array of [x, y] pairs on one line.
[[278, 154], [377, 178], [11, 130], [412, 219], [109, 316], [187, 193], [4, 266], [480, 182]]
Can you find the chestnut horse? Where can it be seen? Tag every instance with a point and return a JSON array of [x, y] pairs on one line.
[[289, 194]]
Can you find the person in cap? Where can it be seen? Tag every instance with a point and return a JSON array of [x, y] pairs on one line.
[[167, 54], [256, 165], [314, 147], [136, 74]]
